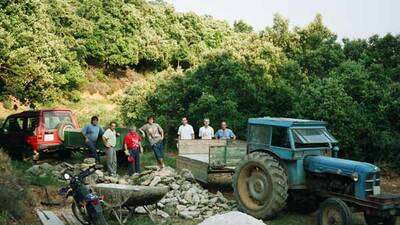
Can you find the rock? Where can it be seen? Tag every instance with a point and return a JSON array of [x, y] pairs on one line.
[[111, 179], [188, 196], [232, 218], [161, 213], [180, 208], [185, 215], [213, 201], [140, 210], [99, 173], [196, 198], [188, 214], [122, 181], [154, 167], [160, 205], [89, 161], [187, 175], [192, 208], [174, 186], [170, 208], [204, 200], [34, 170], [182, 201], [147, 180], [37, 170], [155, 181], [84, 166]]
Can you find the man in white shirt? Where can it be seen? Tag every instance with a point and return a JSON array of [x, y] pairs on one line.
[[206, 132], [185, 131]]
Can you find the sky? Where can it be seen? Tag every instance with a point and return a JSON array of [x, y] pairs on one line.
[[347, 18]]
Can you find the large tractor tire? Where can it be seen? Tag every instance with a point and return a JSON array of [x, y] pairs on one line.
[[260, 185]]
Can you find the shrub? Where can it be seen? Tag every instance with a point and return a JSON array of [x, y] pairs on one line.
[[13, 194]]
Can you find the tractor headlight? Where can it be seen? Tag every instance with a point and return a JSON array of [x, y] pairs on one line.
[[354, 176]]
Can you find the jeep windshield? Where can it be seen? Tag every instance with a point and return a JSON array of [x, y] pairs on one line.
[[53, 118], [312, 137]]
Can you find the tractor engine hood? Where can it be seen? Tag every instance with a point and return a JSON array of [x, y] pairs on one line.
[[344, 167]]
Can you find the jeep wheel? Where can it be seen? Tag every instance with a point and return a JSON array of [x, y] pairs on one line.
[[334, 211], [377, 220], [260, 185]]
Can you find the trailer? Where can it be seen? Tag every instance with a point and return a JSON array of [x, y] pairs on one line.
[[210, 161], [74, 139]]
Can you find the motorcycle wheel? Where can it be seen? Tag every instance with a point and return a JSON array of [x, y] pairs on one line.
[[80, 213], [99, 220]]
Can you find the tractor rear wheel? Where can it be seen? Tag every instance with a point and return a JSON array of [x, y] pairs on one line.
[[377, 220], [334, 211], [260, 185]]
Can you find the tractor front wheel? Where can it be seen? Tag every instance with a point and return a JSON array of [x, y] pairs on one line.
[[334, 211], [260, 185], [378, 220]]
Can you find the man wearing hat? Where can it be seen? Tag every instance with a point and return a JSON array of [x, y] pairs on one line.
[[133, 149]]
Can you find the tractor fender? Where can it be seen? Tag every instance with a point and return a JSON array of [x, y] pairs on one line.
[[275, 156]]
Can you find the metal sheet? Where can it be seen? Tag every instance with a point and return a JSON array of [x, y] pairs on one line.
[[75, 139]]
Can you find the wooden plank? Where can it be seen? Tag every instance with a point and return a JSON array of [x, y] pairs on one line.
[[48, 218], [227, 156], [199, 169], [70, 218], [198, 146]]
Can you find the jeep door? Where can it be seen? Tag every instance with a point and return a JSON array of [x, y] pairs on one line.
[[12, 133]]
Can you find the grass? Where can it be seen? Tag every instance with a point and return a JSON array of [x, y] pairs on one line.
[[4, 218], [286, 218], [47, 179]]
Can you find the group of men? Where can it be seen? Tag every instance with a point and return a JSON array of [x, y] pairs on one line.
[[132, 141], [186, 132]]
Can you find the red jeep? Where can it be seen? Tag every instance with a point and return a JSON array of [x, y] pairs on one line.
[[28, 133]]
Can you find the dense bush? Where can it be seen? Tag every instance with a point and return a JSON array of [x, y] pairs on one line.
[[304, 72], [44, 44], [201, 67]]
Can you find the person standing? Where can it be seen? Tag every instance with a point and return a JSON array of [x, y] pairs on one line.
[[91, 132], [110, 140], [133, 149], [206, 132], [155, 135], [185, 131], [225, 132]]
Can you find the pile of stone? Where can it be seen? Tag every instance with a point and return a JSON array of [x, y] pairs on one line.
[[186, 198]]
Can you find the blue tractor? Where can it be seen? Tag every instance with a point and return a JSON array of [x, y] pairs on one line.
[[293, 162]]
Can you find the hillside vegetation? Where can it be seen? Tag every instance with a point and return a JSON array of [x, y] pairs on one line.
[[200, 67]]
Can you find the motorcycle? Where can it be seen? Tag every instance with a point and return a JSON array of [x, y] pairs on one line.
[[86, 206]]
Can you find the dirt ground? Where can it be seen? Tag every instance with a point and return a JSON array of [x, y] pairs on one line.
[[389, 184]]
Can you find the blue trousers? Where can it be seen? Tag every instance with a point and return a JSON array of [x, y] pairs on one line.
[[158, 150], [93, 150], [135, 166]]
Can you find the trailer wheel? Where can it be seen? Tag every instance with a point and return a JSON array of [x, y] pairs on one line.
[[378, 220], [260, 185], [334, 211]]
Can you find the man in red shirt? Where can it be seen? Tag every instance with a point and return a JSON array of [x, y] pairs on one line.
[[133, 148]]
